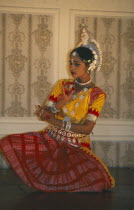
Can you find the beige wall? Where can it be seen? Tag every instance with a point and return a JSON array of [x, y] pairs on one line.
[[40, 33]]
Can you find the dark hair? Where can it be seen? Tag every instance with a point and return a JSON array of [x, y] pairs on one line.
[[84, 54]]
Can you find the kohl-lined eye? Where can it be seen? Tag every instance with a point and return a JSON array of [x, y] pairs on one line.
[[75, 64]]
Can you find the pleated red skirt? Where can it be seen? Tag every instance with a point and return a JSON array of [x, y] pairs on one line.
[[55, 166]]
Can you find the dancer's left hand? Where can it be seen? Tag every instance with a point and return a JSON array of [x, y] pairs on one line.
[[43, 114]]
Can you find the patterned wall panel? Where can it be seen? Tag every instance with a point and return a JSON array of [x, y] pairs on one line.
[[26, 66], [107, 152], [27, 50], [116, 38], [115, 154], [126, 154]]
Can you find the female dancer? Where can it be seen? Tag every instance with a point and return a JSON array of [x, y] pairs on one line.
[[59, 158]]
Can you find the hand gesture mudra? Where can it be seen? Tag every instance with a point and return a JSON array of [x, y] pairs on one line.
[[44, 114], [66, 97]]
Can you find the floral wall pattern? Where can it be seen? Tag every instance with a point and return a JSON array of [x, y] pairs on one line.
[[26, 46], [115, 154], [116, 78], [26, 68]]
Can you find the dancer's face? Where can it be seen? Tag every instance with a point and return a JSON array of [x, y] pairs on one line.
[[78, 68]]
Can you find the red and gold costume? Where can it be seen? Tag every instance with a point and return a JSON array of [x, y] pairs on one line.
[[56, 160]]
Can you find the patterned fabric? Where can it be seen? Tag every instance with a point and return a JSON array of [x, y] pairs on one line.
[[54, 160], [49, 165], [83, 103]]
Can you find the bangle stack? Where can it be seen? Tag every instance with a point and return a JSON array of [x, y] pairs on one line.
[[66, 123], [68, 126]]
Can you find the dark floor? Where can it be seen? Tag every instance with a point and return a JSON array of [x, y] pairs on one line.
[[14, 195]]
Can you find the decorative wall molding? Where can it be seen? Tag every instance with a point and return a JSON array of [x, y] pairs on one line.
[[106, 5], [29, 60], [112, 141], [113, 130], [105, 130], [113, 31], [93, 13]]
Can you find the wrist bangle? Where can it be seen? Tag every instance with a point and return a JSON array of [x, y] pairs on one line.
[[68, 126], [41, 112], [54, 109], [64, 124]]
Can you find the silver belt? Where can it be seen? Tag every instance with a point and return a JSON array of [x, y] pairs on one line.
[[63, 135]]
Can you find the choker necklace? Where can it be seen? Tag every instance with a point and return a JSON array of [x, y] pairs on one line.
[[83, 83]]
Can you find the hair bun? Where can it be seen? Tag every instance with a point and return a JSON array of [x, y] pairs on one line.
[[93, 46]]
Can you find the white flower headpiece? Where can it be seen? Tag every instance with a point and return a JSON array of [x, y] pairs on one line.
[[94, 47]]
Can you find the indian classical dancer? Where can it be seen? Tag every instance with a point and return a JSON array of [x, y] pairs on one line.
[[59, 157]]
